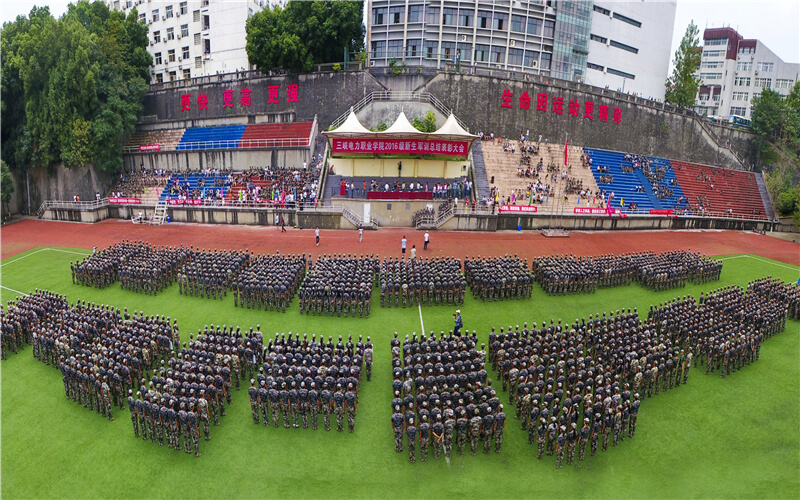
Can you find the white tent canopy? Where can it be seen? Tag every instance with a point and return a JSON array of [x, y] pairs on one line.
[[400, 128], [352, 127], [451, 130]]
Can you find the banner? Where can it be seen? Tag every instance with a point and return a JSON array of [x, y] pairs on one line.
[[655, 211], [398, 146], [150, 147], [188, 201], [596, 211], [518, 208], [125, 201]]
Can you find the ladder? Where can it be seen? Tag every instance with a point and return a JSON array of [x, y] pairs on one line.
[[159, 214]]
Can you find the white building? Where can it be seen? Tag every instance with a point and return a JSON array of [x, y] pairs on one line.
[[629, 47], [621, 44], [190, 38], [733, 70]]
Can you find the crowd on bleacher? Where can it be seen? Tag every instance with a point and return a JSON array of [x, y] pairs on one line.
[[134, 183]]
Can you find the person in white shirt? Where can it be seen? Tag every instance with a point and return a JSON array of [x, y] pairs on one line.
[[427, 239], [403, 244], [316, 233], [413, 252]]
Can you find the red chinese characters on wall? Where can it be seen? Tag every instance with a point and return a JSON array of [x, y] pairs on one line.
[[573, 108], [273, 96]]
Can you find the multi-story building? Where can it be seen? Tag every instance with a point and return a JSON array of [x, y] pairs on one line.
[[733, 70], [622, 45], [190, 38]]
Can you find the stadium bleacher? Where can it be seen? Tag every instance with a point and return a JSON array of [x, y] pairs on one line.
[[177, 186], [720, 191], [167, 139], [211, 137], [275, 134]]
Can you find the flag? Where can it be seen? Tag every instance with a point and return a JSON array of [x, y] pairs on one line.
[[565, 152], [622, 202]]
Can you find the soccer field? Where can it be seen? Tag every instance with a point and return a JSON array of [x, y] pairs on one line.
[[713, 437]]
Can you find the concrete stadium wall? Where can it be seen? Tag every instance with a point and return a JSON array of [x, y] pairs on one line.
[[57, 183], [235, 159]]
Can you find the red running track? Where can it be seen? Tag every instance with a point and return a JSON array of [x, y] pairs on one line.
[[30, 233]]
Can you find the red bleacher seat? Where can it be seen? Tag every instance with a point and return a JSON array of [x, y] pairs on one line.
[[733, 190]]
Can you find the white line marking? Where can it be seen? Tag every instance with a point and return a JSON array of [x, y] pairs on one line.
[[785, 266], [420, 318], [15, 291], [42, 250]]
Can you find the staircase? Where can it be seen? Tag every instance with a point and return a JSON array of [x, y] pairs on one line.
[[160, 214], [357, 221], [479, 172], [769, 208], [440, 220]]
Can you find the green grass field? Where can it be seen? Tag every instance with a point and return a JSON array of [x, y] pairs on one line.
[[737, 437]]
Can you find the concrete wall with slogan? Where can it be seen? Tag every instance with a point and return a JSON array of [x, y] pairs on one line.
[[505, 103]]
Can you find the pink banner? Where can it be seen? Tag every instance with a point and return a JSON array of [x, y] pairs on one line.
[[518, 208], [596, 211], [125, 201], [398, 146], [150, 147], [660, 212], [188, 201]]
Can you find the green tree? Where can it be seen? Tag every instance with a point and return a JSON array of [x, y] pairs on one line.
[[683, 84], [770, 116], [6, 186], [72, 87], [426, 124], [303, 34]]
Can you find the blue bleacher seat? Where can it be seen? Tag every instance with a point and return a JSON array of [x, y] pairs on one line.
[[212, 137]]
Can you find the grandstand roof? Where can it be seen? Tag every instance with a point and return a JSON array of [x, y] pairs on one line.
[[350, 128]]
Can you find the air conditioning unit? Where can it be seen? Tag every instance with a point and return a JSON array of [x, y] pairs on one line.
[[756, 73], [149, 21], [511, 43], [535, 64], [163, 18], [179, 59], [372, 63], [179, 37], [178, 14], [463, 38], [152, 42]]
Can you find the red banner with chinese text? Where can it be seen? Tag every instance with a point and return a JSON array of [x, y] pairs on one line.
[[125, 201], [188, 201], [596, 211], [660, 212], [518, 208], [400, 146], [150, 147]]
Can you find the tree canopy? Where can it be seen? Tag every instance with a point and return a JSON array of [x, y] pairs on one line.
[[72, 87], [682, 85], [303, 34]]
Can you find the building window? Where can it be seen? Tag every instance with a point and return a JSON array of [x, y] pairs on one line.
[[766, 67], [430, 49], [747, 50], [395, 49], [396, 15], [184, 8], [626, 19], [142, 17], [185, 53], [160, 77], [481, 53], [594, 66], [500, 20], [378, 15], [206, 22], [465, 18], [498, 54], [466, 51], [432, 15], [531, 58], [198, 62], [711, 64], [157, 36], [715, 42], [196, 16], [744, 66], [549, 28], [517, 24], [716, 98], [632, 50], [483, 19], [710, 76], [207, 47], [187, 74], [171, 55], [740, 96], [184, 30], [155, 15], [379, 49], [170, 33], [783, 84], [713, 53], [763, 83], [742, 81], [601, 10], [168, 11], [533, 26], [738, 111], [448, 50], [157, 58], [598, 38], [172, 76], [412, 48], [197, 39], [448, 17], [546, 57], [413, 13], [612, 71], [515, 57]]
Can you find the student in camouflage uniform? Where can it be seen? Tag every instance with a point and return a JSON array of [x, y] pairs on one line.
[[253, 393], [475, 429], [499, 426], [202, 410], [134, 415], [437, 431], [411, 434], [584, 438], [397, 427], [541, 437], [424, 435], [561, 442], [351, 400]]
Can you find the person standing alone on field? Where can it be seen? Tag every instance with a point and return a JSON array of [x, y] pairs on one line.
[[403, 245], [316, 233], [427, 240], [360, 233]]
